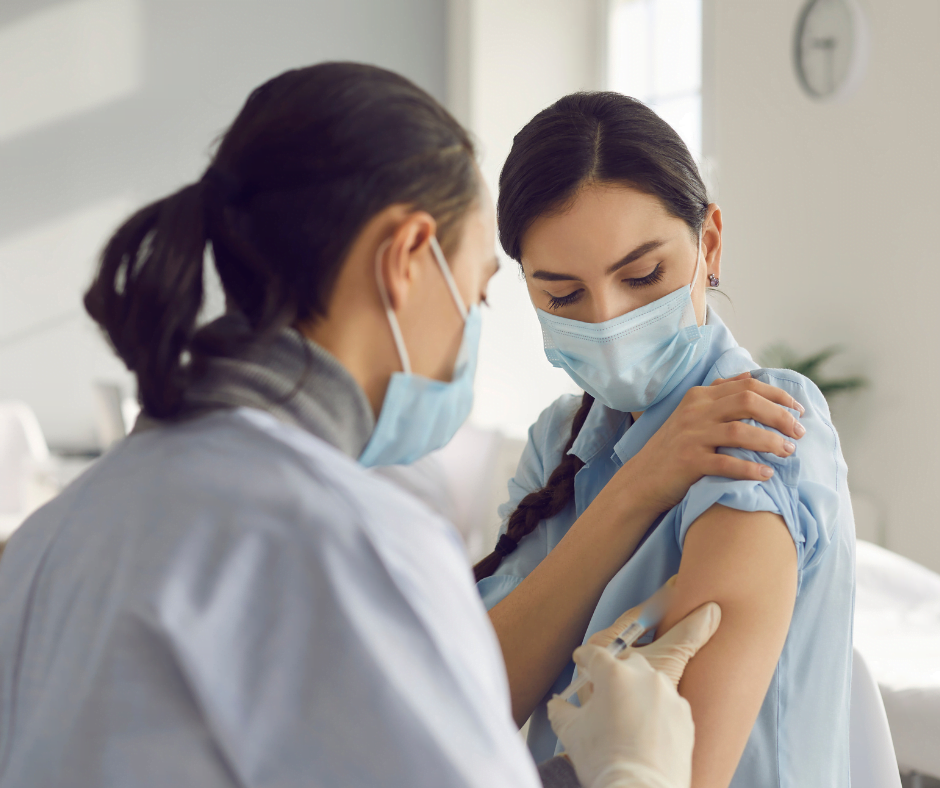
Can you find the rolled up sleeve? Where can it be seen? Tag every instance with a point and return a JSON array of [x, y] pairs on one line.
[[801, 495]]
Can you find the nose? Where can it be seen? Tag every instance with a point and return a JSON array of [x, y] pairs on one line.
[[606, 306]]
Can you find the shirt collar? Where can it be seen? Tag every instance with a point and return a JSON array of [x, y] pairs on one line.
[[601, 424]]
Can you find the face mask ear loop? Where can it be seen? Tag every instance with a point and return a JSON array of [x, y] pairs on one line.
[[389, 312], [698, 260], [448, 277]]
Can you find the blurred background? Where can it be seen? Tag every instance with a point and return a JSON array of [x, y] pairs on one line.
[[815, 123], [817, 137]]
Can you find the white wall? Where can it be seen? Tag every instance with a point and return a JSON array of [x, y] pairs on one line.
[[831, 233], [107, 104], [509, 60]]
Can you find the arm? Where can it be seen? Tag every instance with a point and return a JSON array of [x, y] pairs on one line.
[[542, 621], [632, 728], [746, 562]]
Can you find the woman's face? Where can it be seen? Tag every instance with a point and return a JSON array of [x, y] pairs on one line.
[[613, 250]]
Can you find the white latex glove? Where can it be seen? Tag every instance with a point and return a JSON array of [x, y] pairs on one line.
[[634, 731], [672, 652], [644, 740]]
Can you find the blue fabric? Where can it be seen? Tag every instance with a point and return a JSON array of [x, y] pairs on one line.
[[801, 737], [230, 601]]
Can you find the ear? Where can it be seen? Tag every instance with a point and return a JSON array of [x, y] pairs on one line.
[[711, 240], [404, 257]]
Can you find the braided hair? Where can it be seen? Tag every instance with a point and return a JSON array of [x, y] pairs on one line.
[[582, 138], [541, 504]]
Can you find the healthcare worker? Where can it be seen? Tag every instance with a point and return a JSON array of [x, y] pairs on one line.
[[228, 597]]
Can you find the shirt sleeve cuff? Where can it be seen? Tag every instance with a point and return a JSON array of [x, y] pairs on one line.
[[747, 496]]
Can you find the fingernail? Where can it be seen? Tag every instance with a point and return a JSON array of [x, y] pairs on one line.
[[714, 614], [788, 447], [766, 472], [797, 406], [799, 429]]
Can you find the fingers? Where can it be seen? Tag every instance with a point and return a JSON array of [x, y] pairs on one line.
[[738, 435], [561, 713], [744, 382], [695, 630], [736, 468], [750, 405], [671, 653], [606, 636], [600, 664]]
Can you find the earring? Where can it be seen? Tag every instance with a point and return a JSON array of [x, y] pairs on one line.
[[713, 280]]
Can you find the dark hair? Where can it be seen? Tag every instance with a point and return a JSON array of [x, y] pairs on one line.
[[581, 139], [312, 156]]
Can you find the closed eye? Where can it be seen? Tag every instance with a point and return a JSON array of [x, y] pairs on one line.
[[560, 301], [653, 277]]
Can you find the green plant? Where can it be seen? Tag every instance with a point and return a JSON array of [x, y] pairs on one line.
[[782, 356]]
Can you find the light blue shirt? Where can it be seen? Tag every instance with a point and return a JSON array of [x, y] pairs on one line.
[[232, 601], [801, 737]]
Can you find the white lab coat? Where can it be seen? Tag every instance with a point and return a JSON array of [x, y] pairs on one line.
[[234, 602]]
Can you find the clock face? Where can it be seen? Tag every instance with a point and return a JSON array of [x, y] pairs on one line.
[[829, 47]]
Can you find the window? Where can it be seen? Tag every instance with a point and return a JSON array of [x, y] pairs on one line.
[[655, 55]]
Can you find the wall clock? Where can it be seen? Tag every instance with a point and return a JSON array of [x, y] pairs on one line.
[[830, 48]]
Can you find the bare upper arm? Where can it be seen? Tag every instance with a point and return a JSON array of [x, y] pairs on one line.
[[746, 562]]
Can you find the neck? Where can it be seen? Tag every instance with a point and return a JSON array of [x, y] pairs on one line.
[[363, 345], [295, 380]]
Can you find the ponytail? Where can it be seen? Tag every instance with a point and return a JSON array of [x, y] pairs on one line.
[[541, 504], [312, 156], [147, 293]]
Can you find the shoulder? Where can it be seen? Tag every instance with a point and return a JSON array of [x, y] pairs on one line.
[[818, 451], [818, 457], [806, 489], [243, 471], [801, 388], [283, 514]]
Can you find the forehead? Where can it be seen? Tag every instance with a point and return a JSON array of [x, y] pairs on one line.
[[602, 223]]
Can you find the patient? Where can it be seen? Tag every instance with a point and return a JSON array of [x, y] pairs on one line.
[[603, 207]]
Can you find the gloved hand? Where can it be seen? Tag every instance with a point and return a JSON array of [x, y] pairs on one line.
[[645, 736], [635, 730], [672, 652]]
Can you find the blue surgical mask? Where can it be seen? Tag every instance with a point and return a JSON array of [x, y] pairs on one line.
[[633, 361], [420, 414]]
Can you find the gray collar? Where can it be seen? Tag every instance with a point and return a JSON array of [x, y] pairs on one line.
[[290, 377]]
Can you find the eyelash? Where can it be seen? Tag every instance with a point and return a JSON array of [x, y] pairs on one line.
[[556, 303], [653, 277]]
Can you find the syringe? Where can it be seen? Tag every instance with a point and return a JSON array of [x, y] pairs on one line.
[[650, 616]]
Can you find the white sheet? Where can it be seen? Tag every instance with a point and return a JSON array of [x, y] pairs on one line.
[[897, 629]]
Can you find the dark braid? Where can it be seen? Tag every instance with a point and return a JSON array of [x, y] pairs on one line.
[[541, 504]]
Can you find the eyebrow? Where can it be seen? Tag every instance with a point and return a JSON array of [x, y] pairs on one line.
[[636, 254]]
